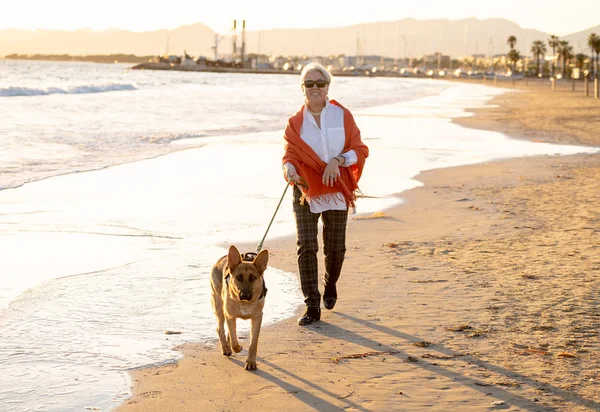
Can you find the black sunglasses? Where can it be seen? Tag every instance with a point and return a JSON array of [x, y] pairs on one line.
[[310, 83]]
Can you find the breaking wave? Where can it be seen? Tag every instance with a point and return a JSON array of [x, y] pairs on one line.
[[83, 89]]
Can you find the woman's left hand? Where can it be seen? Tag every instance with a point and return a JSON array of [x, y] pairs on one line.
[[332, 171]]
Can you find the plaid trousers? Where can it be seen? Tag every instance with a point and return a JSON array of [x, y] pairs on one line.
[[334, 247]]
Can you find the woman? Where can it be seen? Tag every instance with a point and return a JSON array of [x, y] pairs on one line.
[[324, 158]]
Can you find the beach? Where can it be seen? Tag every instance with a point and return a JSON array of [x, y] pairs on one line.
[[121, 188], [479, 291]]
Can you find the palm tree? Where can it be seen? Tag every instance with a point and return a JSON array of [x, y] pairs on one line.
[[568, 56], [553, 42], [594, 44], [597, 50], [565, 51], [512, 40], [580, 61], [514, 56], [538, 48], [559, 48]]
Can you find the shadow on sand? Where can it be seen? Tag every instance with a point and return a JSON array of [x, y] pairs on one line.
[[310, 399], [315, 397]]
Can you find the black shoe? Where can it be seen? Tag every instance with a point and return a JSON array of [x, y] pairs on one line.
[[310, 315], [329, 296]]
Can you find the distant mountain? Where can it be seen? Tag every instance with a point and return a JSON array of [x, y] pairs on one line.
[[196, 37], [408, 37], [579, 40]]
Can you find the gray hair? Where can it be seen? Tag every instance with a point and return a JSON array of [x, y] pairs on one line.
[[318, 67]]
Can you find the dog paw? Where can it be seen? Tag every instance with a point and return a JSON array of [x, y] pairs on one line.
[[237, 348], [250, 365], [227, 351]]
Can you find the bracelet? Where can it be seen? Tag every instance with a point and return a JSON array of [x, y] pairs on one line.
[[341, 162]]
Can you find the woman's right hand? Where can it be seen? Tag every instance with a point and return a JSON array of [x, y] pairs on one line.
[[290, 174]]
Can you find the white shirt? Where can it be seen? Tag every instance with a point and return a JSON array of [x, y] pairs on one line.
[[327, 142]]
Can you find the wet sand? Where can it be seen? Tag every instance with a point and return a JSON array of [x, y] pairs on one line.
[[479, 292]]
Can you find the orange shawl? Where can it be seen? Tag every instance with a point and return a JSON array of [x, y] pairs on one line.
[[310, 166]]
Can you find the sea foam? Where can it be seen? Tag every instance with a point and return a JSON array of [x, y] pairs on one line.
[[81, 89]]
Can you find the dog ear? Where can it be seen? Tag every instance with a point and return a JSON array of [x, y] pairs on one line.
[[261, 261], [233, 258]]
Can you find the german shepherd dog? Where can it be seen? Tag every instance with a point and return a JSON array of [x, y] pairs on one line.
[[238, 291]]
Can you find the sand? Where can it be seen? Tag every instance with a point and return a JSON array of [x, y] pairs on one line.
[[481, 291], [536, 112]]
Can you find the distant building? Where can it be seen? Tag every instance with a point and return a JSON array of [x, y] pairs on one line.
[[283, 63], [174, 59], [259, 61], [202, 62], [436, 61], [188, 62]]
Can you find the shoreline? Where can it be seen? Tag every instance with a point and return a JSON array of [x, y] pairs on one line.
[[372, 331]]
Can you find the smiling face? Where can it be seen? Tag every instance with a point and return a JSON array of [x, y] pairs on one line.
[[315, 96]]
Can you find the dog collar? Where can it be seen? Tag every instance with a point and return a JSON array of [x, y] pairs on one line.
[[264, 291]]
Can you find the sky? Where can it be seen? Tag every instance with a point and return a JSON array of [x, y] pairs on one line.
[[550, 16]]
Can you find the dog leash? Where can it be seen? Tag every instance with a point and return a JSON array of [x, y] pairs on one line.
[[250, 256], [260, 245]]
